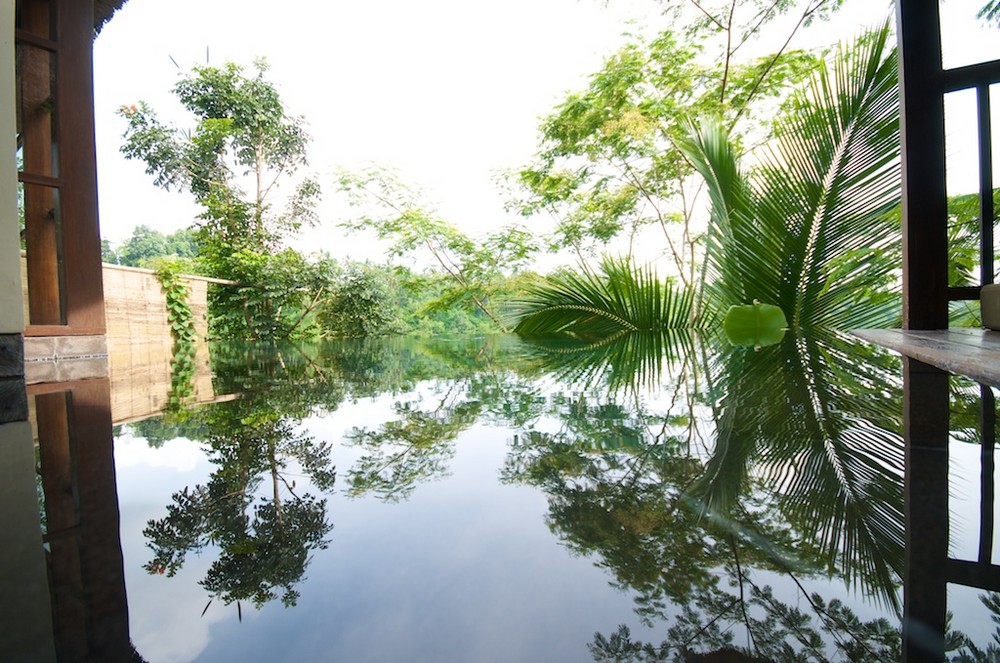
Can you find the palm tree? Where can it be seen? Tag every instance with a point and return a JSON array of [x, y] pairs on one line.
[[619, 299], [811, 228]]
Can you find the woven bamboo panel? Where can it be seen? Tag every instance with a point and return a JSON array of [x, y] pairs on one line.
[[136, 308]]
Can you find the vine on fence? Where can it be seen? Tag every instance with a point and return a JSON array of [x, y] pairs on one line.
[[181, 319]]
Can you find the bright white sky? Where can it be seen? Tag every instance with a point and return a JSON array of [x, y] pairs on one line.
[[448, 92]]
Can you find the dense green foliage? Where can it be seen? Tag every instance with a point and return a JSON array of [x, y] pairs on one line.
[[243, 139], [361, 304], [145, 245], [274, 297], [810, 226], [964, 253], [182, 329]]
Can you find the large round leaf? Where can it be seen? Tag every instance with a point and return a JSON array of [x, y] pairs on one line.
[[754, 324]]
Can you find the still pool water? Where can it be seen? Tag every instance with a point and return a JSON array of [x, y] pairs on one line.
[[491, 499]]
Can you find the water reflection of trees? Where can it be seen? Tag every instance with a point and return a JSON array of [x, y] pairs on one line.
[[411, 449], [249, 509], [802, 477], [250, 513], [688, 472]]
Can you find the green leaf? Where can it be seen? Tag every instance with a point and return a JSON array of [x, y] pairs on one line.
[[756, 324], [622, 298]]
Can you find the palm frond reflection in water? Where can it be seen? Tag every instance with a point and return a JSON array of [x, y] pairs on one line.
[[804, 476], [799, 421], [626, 361]]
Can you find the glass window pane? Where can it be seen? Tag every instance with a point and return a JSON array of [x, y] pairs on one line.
[[962, 170], [966, 39]]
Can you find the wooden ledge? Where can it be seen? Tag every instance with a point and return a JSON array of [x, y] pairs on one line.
[[974, 353]]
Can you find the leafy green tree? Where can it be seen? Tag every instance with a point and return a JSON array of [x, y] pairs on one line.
[[108, 253], [609, 162], [146, 244], [275, 297], [241, 129], [476, 267], [242, 144], [361, 304]]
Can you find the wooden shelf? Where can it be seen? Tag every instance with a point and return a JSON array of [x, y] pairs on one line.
[[974, 353]]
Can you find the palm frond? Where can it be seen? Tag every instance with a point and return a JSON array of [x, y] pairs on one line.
[[811, 228], [620, 298]]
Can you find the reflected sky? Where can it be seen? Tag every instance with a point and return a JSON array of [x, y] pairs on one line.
[[464, 570], [547, 502]]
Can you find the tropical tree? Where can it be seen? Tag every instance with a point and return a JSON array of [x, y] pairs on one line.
[[241, 130], [361, 304], [146, 244], [811, 228], [609, 164], [476, 267], [242, 146]]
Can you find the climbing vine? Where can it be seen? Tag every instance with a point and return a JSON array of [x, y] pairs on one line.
[[181, 320]]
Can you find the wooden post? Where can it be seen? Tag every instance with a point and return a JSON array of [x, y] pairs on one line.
[[925, 429], [78, 164], [60, 167], [37, 97], [925, 202]]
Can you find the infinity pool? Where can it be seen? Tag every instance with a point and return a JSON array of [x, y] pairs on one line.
[[490, 499]]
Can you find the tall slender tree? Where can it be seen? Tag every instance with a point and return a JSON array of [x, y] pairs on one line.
[[242, 147]]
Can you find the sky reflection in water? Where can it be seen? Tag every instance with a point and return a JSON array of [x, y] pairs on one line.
[[497, 500]]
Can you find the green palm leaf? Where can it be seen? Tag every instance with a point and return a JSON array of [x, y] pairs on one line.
[[810, 229], [621, 298]]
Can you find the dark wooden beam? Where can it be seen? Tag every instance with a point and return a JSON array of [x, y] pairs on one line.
[[962, 78], [924, 203], [986, 211], [41, 214], [925, 495], [84, 292]]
